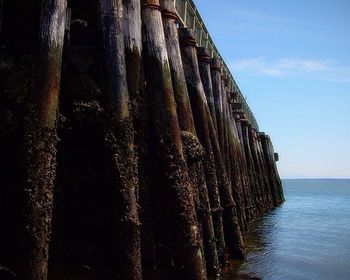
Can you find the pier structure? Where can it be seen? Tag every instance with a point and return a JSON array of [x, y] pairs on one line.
[[127, 150]]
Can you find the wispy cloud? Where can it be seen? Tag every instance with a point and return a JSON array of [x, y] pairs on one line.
[[255, 16], [253, 23], [294, 67]]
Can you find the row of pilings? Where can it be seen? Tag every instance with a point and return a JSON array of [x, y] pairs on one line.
[[122, 153]]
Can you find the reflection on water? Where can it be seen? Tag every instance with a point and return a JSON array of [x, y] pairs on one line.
[[308, 237]]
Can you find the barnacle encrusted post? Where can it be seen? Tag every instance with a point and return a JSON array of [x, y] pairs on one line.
[[40, 142]]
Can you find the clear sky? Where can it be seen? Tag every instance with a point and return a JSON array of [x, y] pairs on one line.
[[291, 59]]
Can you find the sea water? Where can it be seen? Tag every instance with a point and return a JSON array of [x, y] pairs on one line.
[[308, 237]]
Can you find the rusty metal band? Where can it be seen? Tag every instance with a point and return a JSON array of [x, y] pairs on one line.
[[152, 6], [216, 68], [203, 58], [169, 15], [188, 42]]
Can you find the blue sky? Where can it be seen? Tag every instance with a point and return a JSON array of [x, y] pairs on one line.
[[291, 59]]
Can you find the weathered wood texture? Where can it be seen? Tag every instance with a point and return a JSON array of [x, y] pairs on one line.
[[159, 172], [249, 203], [237, 166], [140, 114], [232, 232], [188, 258], [201, 116], [204, 69], [206, 131], [120, 141], [270, 162], [189, 135], [40, 142], [215, 67]]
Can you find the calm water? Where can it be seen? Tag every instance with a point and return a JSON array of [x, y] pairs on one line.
[[308, 237]]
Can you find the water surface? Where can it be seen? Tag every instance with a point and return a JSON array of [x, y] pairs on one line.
[[308, 237]]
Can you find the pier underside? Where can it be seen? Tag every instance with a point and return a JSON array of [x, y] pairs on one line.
[[124, 149]]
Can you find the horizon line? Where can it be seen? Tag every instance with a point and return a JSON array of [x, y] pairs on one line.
[[318, 178]]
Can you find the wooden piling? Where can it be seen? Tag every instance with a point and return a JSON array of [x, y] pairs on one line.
[[40, 142], [265, 171], [120, 141], [203, 59], [133, 53], [189, 135], [257, 170], [231, 226], [140, 116], [201, 111], [188, 259], [204, 69], [181, 170], [215, 67], [201, 115], [226, 130], [254, 206], [249, 203], [178, 77], [274, 179], [263, 174], [235, 157]]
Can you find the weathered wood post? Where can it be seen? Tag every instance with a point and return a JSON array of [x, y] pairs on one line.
[[254, 207], [262, 168], [140, 115], [202, 120], [204, 69], [236, 164], [276, 175], [204, 59], [120, 141], [189, 134], [249, 186], [226, 129], [265, 171], [40, 141], [201, 111], [133, 52], [231, 226], [188, 259], [201, 116], [178, 77], [278, 182], [267, 156], [275, 181], [257, 169], [215, 67]]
